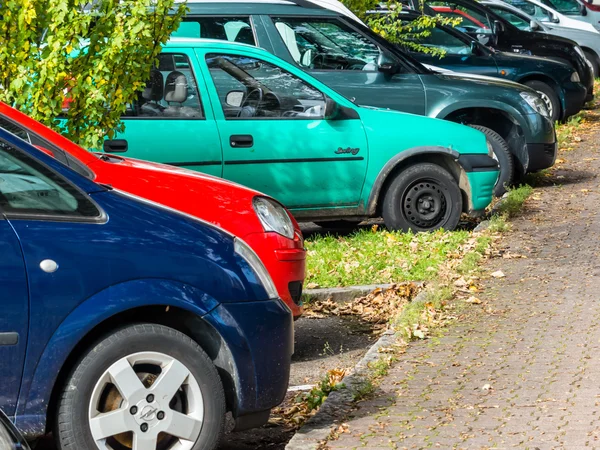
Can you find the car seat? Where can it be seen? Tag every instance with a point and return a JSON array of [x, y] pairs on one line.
[[245, 36], [153, 92], [176, 91]]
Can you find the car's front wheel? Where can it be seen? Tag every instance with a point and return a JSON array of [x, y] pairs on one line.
[[423, 197], [144, 387], [504, 157]]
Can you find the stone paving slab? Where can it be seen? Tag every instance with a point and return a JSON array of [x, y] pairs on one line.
[[539, 350]]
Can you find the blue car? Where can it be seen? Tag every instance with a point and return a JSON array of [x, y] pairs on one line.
[[127, 325]]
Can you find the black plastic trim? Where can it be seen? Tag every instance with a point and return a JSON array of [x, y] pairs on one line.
[[236, 162], [477, 162], [193, 163]]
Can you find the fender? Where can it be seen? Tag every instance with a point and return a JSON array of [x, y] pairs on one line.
[[34, 397], [397, 159]]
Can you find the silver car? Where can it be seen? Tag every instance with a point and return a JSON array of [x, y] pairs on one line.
[[587, 40]]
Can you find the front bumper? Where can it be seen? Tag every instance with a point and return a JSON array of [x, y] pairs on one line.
[[575, 97], [541, 156], [285, 259], [260, 339], [482, 174]]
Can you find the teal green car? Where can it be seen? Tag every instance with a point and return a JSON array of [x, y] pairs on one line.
[[238, 112]]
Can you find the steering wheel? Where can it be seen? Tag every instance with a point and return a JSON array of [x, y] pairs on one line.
[[251, 103]]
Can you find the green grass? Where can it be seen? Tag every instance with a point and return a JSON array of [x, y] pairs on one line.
[[413, 313], [513, 203], [368, 257]]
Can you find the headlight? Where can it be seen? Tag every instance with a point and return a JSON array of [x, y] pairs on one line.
[[491, 153], [273, 217], [575, 77], [536, 103], [244, 250]]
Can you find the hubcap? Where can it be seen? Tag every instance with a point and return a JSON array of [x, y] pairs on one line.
[[424, 204], [146, 401], [548, 103]]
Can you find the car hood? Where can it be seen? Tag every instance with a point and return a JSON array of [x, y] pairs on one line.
[[470, 78], [517, 61], [220, 202], [406, 131]]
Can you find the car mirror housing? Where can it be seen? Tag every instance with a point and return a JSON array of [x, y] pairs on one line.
[[335, 111], [498, 27], [386, 65], [534, 26], [235, 98]]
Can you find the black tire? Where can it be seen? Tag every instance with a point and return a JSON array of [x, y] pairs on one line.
[[422, 182], [548, 95], [341, 224], [73, 430], [593, 59], [505, 159]]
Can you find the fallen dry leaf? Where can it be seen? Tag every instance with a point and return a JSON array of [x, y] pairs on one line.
[[498, 274], [473, 300]]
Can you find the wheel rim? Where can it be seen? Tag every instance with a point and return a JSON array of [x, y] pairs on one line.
[[425, 204], [548, 102], [146, 401]]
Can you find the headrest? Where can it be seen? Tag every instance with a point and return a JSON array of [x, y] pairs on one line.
[[176, 87], [154, 87]]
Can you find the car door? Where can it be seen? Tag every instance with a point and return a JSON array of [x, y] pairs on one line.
[[459, 55], [347, 60], [275, 138], [170, 123], [15, 309]]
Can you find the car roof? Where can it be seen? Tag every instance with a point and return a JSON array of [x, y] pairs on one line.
[[204, 42], [283, 7]]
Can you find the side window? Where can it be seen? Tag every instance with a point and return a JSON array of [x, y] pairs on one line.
[[517, 21], [249, 88], [472, 20], [27, 188], [58, 154], [324, 44], [232, 29], [170, 93], [440, 38]]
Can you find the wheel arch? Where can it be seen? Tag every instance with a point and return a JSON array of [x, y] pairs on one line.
[[502, 122], [80, 330], [445, 157]]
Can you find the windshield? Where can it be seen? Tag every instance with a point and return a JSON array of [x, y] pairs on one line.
[[570, 7], [520, 22]]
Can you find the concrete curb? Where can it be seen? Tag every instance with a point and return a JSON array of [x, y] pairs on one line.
[[341, 402], [344, 295]]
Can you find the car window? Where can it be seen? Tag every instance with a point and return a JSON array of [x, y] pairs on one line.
[[569, 7], [517, 21], [250, 88], [232, 29], [471, 19], [28, 188], [328, 44], [58, 153], [171, 91], [535, 11], [442, 39]]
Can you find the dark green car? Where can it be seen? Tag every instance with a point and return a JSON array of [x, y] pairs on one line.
[[557, 83], [361, 65]]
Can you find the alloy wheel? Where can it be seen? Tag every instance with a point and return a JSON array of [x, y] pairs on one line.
[[146, 401], [548, 103]]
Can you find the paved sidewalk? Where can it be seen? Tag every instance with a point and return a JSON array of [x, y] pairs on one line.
[[527, 373]]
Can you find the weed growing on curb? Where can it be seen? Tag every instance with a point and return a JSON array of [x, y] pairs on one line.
[[513, 203]]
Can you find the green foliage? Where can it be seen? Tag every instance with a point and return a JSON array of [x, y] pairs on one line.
[[513, 203], [391, 27], [98, 55]]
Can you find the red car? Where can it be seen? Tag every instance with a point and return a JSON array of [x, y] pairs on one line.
[[260, 221]]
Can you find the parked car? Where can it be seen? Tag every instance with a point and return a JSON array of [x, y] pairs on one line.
[[584, 10], [545, 12], [592, 12], [262, 222], [125, 320], [589, 42], [500, 34], [242, 113], [345, 55], [554, 81]]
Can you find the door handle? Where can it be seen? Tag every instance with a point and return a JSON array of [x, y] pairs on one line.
[[115, 146], [241, 140]]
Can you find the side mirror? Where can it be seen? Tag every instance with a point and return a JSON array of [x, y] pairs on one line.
[[498, 27], [534, 26], [386, 65], [474, 48], [115, 146], [331, 109], [582, 9], [235, 98], [554, 18]]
